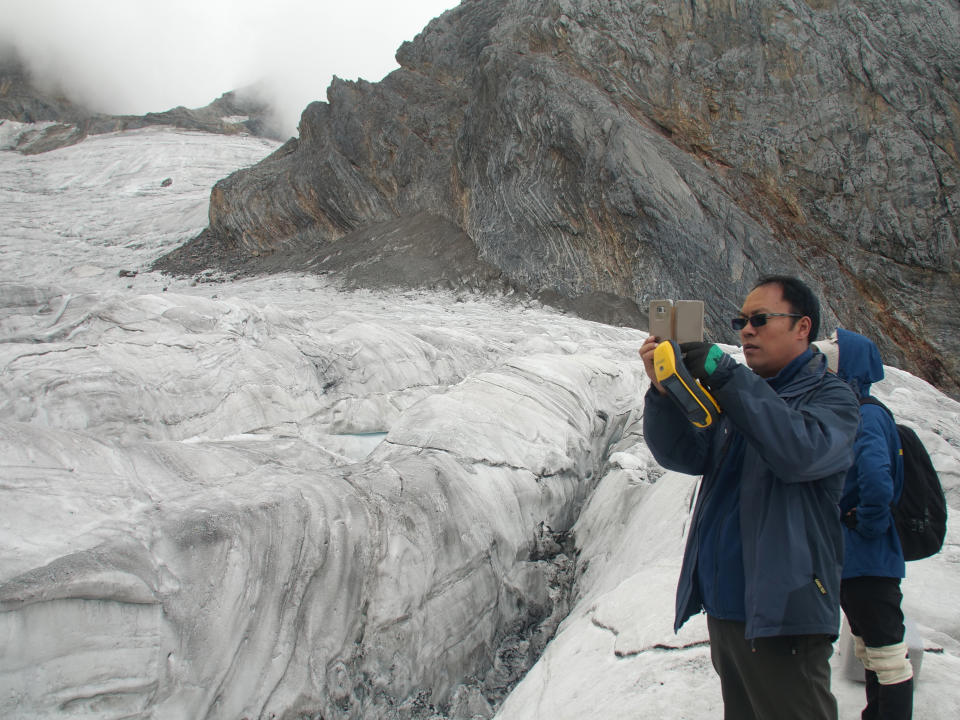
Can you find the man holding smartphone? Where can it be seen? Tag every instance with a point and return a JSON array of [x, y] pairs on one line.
[[764, 550]]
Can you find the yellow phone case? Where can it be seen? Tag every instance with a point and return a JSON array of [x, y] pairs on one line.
[[697, 404]]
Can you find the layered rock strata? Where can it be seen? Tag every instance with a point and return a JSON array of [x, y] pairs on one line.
[[653, 149]]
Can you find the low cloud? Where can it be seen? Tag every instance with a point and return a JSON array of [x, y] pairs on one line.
[[133, 57]]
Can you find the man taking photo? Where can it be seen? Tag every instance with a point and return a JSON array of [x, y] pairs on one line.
[[764, 551]]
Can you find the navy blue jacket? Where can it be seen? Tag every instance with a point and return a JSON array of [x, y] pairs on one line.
[[876, 478], [798, 447]]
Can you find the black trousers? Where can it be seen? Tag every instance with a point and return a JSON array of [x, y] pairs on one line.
[[872, 607], [778, 678]]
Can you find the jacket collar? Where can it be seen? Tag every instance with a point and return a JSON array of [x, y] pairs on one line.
[[803, 373]]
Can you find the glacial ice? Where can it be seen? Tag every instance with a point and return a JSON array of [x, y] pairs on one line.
[[272, 498]]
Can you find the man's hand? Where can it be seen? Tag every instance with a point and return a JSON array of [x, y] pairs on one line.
[[850, 519], [703, 359], [646, 352]]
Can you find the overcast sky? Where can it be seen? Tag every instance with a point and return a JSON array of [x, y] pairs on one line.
[[138, 56]]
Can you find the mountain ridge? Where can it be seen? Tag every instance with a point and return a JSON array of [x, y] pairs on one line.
[[655, 150], [635, 151], [57, 121]]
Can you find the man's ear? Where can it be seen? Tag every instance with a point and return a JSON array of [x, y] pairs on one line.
[[803, 328]]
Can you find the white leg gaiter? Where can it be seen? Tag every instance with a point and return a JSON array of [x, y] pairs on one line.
[[889, 662], [860, 649]]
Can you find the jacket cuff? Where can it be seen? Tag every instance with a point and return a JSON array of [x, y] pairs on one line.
[[725, 369]]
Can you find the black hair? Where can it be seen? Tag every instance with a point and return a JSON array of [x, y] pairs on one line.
[[799, 297]]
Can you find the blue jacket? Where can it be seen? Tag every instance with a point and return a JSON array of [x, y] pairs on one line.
[[798, 447], [876, 478]]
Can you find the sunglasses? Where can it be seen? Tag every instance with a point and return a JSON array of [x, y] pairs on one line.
[[758, 320]]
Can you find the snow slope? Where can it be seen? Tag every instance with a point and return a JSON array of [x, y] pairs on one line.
[[227, 499]]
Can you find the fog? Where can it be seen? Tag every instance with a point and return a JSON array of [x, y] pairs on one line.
[[133, 57]]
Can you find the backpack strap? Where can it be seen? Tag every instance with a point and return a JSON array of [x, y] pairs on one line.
[[870, 400]]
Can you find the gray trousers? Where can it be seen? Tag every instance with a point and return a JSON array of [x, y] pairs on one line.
[[778, 678]]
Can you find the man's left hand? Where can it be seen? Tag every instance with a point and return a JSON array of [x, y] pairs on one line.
[[703, 359]]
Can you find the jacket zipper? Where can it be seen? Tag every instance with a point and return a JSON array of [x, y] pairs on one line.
[[723, 456]]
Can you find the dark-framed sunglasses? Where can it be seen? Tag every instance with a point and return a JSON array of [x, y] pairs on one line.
[[758, 320]]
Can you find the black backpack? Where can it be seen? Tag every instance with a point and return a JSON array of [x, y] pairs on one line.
[[921, 513]]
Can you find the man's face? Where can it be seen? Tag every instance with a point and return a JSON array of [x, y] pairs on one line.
[[770, 348]]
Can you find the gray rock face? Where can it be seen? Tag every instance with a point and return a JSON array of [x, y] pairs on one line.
[[656, 149]]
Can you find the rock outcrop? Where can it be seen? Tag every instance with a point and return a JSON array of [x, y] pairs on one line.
[[676, 149]]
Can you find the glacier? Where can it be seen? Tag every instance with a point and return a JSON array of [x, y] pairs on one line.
[[226, 497]]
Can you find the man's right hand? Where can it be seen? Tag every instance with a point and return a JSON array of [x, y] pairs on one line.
[[646, 352], [850, 519]]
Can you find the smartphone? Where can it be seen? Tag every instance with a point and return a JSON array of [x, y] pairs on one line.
[[661, 319], [688, 321], [681, 321]]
